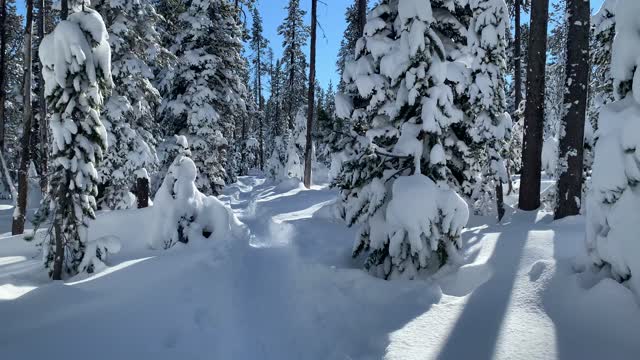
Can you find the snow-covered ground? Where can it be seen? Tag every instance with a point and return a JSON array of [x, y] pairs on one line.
[[290, 290]]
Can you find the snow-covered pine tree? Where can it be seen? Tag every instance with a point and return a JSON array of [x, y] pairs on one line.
[[294, 61], [401, 116], [206, 94], [77, 69], [603, 25], [490, 124], [276, 123], [349, 39], [129, 114], [603, 31], [11, 90], [613, 203], [260, 46]]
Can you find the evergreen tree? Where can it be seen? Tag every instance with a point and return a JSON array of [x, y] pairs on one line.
[[613, 204], [259, 45], [205, 92], [294, 61], [348, 43], [75, 89], [490, 123], [11, 89], [129, 115], [401, 113]]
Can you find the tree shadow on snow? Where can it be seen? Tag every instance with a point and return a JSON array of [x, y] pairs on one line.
[[476, 331]]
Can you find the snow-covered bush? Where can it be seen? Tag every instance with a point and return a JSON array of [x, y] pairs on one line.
[[182, 214], [613, 203], [419, 229], [76, 61]]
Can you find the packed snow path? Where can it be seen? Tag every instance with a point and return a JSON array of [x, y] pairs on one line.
[[292, 291]]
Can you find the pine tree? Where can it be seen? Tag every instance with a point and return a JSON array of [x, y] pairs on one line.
[[129, 115], [490, 122], [205, 92], [259, 45], [401, 113], [613, 203], [348, 43], [19, 215], [603, 32], [294, 33], [11, 89], [75, 89]]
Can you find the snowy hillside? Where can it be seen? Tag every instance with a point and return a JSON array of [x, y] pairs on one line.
[[290, 290]]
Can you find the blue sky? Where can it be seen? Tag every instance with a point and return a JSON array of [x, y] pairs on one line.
[[331, 20]]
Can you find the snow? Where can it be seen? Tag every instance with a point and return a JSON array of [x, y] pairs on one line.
[[290, 290]]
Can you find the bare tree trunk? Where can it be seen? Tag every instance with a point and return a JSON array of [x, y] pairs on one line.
[[575, 101], [534, 110], [260, 107], [500, 200], [510, 183], [142, 192], [58, 257], [44, 125], [64, 9], [308, 147], [3, 47], [517, 54], [21, 206], [362, 16]]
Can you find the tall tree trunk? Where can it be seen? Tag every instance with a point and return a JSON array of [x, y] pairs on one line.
[[308, 147], [292, 76], [517, 76], [500, 200], [3, 48], [517, 54], [575, 101], [362, 16], [21, 206], [44, 125], [534, 110], [260, 107], [64, 9]]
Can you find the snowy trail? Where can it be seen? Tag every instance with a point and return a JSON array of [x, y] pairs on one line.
[[292, 291]]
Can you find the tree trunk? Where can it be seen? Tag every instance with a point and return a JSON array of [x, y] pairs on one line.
[[142, 192], [517, 54], [58, 257], [534, 110], [500, 200], [575, 101], [362, 16], [21, 206], [308, 147], [3, 47], [64, 9], [43, 125], [510, 183], [260, 106]]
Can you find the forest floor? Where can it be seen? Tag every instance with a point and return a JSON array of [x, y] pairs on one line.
[[290, 290]]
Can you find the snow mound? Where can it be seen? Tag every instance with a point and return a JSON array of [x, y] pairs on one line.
[[422, 217], [182, 214]]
